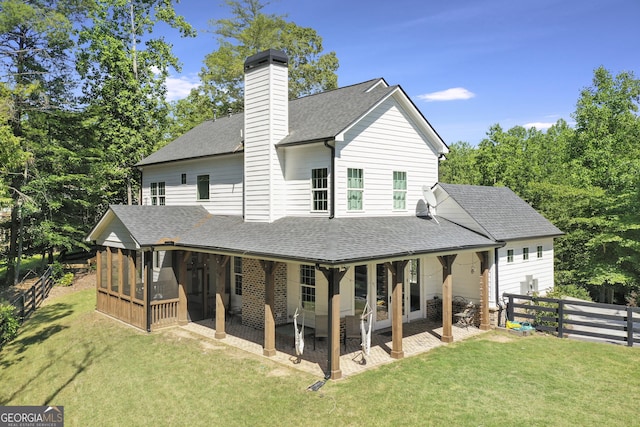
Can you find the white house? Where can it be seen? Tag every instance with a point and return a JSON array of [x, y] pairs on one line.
[[320, 204]]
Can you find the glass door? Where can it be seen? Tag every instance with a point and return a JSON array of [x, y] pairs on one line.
[[412, 292], [383, 297]]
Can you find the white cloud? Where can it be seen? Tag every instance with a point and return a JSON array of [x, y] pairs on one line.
[[179, 87], [453, 94], [539, 125]]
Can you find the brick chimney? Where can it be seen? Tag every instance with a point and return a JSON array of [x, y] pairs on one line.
[[266, 122]]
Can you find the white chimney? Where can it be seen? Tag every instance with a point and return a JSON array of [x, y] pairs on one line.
[[266, 122]]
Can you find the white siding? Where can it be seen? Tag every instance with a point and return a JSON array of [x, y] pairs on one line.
[[382, 142], [511, 274], [266, 123], [225, 183], [300, 161], [116, 235]]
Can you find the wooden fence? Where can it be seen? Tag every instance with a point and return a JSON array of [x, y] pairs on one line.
[[28, 301], [575, 317]]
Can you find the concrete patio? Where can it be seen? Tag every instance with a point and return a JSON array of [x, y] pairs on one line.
[[419, 336]]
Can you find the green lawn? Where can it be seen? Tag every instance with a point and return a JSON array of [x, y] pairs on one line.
[[108, 374]]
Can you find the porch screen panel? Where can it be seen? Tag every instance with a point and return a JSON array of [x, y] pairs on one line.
[[126, 286], [414, 285], [139, 265], [115, 270], [103, 268], [382, 292]]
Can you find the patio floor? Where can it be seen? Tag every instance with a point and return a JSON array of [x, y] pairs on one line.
[[419, 336]]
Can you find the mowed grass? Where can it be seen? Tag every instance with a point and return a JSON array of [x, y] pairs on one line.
[[107, 374]]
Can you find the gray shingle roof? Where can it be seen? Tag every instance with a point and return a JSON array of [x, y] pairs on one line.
[[314, 240], [500, 212], [311, 118]]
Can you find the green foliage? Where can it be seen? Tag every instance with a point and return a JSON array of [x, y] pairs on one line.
[[247, 32], [65, 280], [9, 323], [563, 291], [585, 180]]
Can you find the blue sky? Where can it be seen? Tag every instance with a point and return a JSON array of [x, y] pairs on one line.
[[466, 64]]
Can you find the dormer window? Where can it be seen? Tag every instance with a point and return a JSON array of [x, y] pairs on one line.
[[319, 190]]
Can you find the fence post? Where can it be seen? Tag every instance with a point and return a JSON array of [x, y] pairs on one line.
[[510, 310], [629, 327], [560, 314]]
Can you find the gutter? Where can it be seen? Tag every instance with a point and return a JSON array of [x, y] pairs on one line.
[[332, 208]]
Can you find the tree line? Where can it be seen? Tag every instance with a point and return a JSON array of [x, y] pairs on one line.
[[585, 178], [83, 99]]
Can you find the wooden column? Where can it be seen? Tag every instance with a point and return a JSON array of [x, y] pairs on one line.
[[148, 281], [485, 324], [183, 308], [221, 278], [334, 276], [447, 290], [269, 268], [397, 279]]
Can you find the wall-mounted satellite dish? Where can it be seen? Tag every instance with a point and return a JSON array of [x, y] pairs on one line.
[[430, 200]]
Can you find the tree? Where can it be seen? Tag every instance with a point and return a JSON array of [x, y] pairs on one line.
[[247, 32], [34, 54], [125, 86]]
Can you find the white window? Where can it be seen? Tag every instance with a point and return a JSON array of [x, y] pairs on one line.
[[510, 255], [355, 188], [183, 178], [157, 193], [539, 251], [203, 187], [525, 254], [399, 190], [308, 287], [319, 190]]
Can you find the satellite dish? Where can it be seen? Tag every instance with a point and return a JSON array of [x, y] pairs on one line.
[[431, 201], [429, 197]]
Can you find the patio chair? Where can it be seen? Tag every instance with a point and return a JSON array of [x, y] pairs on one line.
[[352, 329], [321, 329], [467, 316]]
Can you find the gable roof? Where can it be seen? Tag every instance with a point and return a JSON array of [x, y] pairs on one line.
[[303, 239], [312, 118], [500, 212]]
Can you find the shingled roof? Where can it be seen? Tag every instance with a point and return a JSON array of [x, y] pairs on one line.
[[303, 239], [500, 212], [311, 118]]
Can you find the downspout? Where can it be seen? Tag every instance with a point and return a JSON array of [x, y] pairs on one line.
[[498, 300], [332, 205]]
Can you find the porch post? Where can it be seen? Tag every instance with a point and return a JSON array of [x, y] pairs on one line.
[[148, 281], [182, 288], [334, 276], [99, 268], [221, 278], [447, 285], [485, 324], [397, 278], [269, 301]]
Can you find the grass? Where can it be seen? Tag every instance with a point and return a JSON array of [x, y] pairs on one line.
[[105, 373], [28, 264]]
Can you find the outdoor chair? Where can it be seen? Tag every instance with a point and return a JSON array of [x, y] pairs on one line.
[[321, 329], [352, 329], [467, 316]]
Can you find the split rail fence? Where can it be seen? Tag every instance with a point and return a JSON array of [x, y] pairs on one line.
[[572, 317], [28, 301]]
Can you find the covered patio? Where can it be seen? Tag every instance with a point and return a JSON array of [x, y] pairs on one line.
[[418, 337]]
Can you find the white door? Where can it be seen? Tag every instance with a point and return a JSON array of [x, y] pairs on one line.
[[412, 292]]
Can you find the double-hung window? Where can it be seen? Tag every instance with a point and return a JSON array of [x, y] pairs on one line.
[[319, 189], [355, 189], [308, 287], [509, 255], [399, 190], [525, 254], [203, 187], [157, 193], [539, 251]]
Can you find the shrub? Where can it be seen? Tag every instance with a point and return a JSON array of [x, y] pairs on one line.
[[8, 323], [66, 280], [563, 291]]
